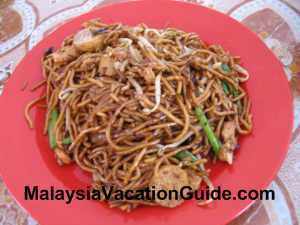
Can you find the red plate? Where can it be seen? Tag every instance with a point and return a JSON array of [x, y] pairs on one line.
[[27, 160]]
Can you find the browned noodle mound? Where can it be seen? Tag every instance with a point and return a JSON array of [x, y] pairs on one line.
[[125, 100]]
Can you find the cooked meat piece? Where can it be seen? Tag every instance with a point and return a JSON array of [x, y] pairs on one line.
[[120, 54], [226, 154], [120, 66], [86, 41], [229, 140], [65, 55], [228, 131], [106, 66], [194, 179], [170, 177], [98, 139]]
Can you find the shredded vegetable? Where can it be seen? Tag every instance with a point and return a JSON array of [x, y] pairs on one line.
[[67, 141], [213, 140]]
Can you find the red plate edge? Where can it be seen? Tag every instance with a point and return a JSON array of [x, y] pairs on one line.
[[7, 172]]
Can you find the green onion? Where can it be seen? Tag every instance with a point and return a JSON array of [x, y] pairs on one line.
[[67, 141], [236, 93], [228, 89], [51, 134], [225, 68], [186, 155], [213, 140], [225, 88]]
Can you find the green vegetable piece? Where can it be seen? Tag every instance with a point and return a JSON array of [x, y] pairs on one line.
[[213, 140], [236, 93], [225, 68], [186, 155], [228, 89], [51, 135], [67, 141], [225, 88]]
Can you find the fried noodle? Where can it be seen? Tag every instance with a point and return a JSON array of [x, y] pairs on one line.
[[125, 98]]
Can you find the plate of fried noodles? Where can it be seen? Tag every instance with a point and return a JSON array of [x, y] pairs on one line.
[[141, 95]]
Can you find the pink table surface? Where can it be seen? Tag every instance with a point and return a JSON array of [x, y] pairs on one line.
[[23, 23]]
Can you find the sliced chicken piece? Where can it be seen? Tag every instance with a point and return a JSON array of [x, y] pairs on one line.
[[65, 55], [120, 54], [230, 141], [86, 41], [120, 66], [228, 131], [99, 139], [170, 177], [106, 66], [194, 179]]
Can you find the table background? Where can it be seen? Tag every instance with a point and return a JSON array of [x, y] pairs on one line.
[[23, 23]]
